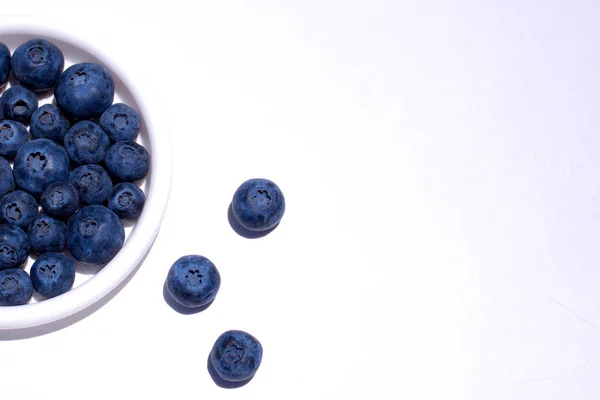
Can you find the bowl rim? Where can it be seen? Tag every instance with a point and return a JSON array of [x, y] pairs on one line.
[[140, 240]]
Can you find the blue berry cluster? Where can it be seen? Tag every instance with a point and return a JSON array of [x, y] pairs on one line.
[[75, 158]]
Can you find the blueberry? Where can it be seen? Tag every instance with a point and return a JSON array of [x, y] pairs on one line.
[[37, 64], [38, 164], [13, 135], [120, 122], [193, 281], [48, 122], [84, 91], [127, 161], [236, 356], [52, 274], [4, 63], [92, 183], [14, 246], [60, 200], [18, 208], [15, 287], [126, 200], [95, 234], [7, 182], [47, 234], [258, 204], [18, 104], [86, 143]]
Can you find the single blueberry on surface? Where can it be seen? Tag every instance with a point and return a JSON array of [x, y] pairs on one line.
[[258, 204], [14, 246], [48, 122], [95, 234], [92, 183], [18, 208], [236, 356], [120, 122], [60, 200], [84, 91], [13, 135], [38, 164], [126, 200], [37, 64], [4, 63], [7, 181], [15, 287], [47, 234], [193, 281], [86, 143], [52, 274], [18, 104], [127, 161]]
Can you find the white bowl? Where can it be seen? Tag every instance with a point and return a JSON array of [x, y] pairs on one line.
[[93, 284]]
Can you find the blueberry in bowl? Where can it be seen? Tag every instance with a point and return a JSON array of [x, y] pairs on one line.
[[37, 64], [7, 181], [13, 135], [127, 161], [14, 246], [126, 200], [15, 287], [120, 122], [60, 200], [47, 234], [86, 143], [92, 183], [4, 63], [18, 104], [40, 163], [52, 274], [18, 208], [48, 122]]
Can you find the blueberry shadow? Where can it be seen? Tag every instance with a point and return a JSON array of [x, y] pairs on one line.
[[220, 382], [243, 232], [180, 308]]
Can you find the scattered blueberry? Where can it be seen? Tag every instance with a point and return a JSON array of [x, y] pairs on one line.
[[38, 164], [84, 91], [193, 281], [236, 356], [37, 64], [127, 161], [95, 234], [258, 204], [4, 63], [60, 200], [92, 183], [7, 182], [15, 287], [18, 104], [14, 246], [48, 122], [127, 200], [13, 135], [86, 143], [52, 274], [18, 208], [47, 234], [120, 122]]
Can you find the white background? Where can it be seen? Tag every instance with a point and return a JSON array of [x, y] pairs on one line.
[[440, 164]]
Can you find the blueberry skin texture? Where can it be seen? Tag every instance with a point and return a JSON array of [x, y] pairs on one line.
[[95, 234], [258, 204], [126, 200], [86, 143], [14, 246], [84, 91], [13, 135], [236, 356], [18, 104], [52, 274], [193, 281], [38, 164], [47, 234], [48, 122], [60, 200], [92, 183], [18, 208], [120, 122], [37, 64], [15, 287], [127, 161], [7, 181], [4, 63]]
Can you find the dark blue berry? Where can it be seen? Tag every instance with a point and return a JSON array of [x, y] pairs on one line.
[[38, 164], [15, 287], [47, 234], [4, 63], [86, 143], [127, 161], [60, 200], [92, 183], [258, 204], [236, 356], [52, 274], [37, 64], [126, 200], [48, 122], [7, 182], [120, 122], [193, 281], [13, 135], [14, 246], [18, 208], [18, 104]]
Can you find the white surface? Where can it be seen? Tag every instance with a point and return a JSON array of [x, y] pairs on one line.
[[156, 186], [440, 165]]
